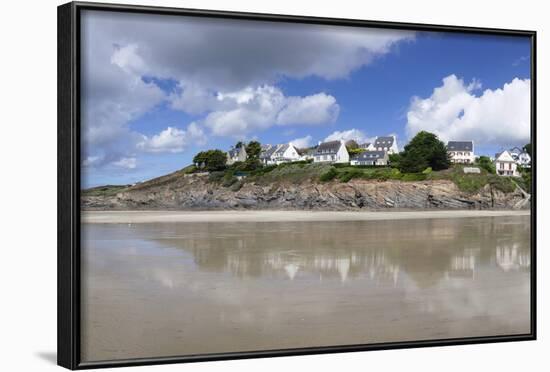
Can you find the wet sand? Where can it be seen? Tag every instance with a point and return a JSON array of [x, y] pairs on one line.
[[177, 288], [282, 216]]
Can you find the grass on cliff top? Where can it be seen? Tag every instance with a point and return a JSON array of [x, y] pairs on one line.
[[107, 190], [298, 173], [472, 182], [301, 172]]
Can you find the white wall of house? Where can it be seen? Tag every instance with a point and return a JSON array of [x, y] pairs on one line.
[[290, 154], [524, 160], [324, 158], [462, 157], [380, 162], [342, 156]]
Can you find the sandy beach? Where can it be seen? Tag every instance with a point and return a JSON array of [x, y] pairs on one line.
[[282, 216]]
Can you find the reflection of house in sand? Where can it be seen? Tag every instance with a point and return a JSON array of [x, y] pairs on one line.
[[511, 257], [375, 265], [463, 265]]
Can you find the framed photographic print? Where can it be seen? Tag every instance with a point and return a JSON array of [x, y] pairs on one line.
[[236, 185]]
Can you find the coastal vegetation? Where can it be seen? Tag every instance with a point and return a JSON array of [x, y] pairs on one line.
[[424, 158]]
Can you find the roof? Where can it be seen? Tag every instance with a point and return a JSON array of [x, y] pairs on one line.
[[460, 146], [282, 148], [268, 151], [369, 155], [384, 141], [501, 156], [364, 145], [515, 150], [330, 147]]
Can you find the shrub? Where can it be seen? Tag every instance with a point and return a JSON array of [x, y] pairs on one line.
[[229, 179], [427, 170], [413, 177], [485, 163], [328, 175], [504, 184], [349, 174], [236, 186], [216, 176]]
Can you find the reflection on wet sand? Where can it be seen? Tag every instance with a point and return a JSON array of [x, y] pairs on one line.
[[178, 289]]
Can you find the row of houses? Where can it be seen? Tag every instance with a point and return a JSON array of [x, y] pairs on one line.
[[506, 162], [377, 153]]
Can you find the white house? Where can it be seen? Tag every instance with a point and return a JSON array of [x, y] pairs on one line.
[[524, 160], [506, 165], [285, 154], [515, 151], [331, 152], [385, 143], [307, 154], [370, 158], [266, 154], [461, 152], [521, 157], [277, 154], [236, 154]]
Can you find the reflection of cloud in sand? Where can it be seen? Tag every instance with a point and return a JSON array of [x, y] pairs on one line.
[[250, 285]]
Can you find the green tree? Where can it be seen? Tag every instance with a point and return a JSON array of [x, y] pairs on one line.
[[394, 160], [355, 151], [239, 144], [351, 145], [527, 149], [253, 149], [486, 163], [423, 151], [211, 160]]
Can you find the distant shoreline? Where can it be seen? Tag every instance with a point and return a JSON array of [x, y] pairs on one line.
[[283, 216]]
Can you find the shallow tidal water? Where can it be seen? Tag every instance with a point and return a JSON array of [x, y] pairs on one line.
[[168, 289]]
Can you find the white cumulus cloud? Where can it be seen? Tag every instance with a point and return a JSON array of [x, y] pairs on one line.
[[454, 112], [302, 142], [255, 109], [314, 109], [351, 134], [173, 139], [128, 163]]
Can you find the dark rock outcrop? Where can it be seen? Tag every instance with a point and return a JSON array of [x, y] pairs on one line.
[[195, 192]]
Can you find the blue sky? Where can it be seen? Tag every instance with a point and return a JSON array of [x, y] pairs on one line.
[[152, 99]]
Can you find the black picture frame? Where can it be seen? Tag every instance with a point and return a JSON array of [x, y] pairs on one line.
[[68, 91]]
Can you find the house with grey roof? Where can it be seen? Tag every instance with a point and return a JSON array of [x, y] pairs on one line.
[[331, 152], [267, 153], [285, 154], [386, 143], [370, 158], [277, 154], [461, 152], [520, 156], [307, 153], [236, 154]]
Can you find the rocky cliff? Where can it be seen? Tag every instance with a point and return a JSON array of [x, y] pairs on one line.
[[195, 192]]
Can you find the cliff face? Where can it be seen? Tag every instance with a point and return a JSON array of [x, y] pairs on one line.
[[195, 192]]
